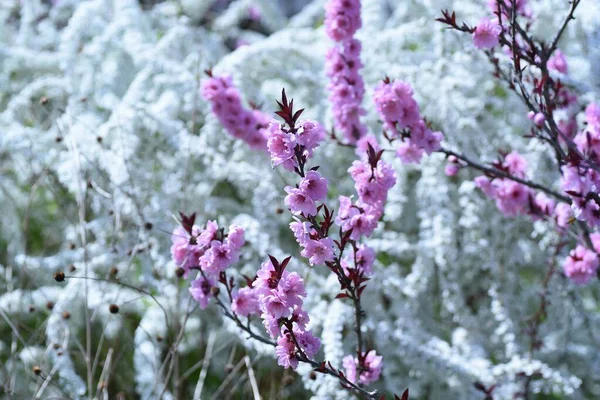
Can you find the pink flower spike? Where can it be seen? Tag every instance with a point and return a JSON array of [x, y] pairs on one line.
[[486, 34]]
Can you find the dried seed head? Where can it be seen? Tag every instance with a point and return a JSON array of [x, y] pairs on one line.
[[148, 225], [113, 308], [59, 276], [50, 305], [66, 315], [37, 370]]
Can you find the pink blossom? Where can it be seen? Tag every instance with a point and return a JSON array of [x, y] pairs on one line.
[[314, 185], [544, 204], [563, 213], [574, 181], [235, 237], [226, 104], [409, 153], [217, 258], [342, 19], [302, 231], [286, 352], [300, 317], [512, 198], [363, 143], [558, 62], [592, 114], [245, 302], [308, 342], [346, 86], [291, 289], [350, 365], [595, 239], [486, 34], [310, 135], [281, 147], [208, 234], [271, 325], [372, 367], [581, 265], [360, 171], [343, 209], [184, 251], [275, 306], [266, 279], [299, 202], [539, 119], [201, 291], [451, 169], [318, 251], [395, 104], [483, 183], [365, 257], [361, 222], [516, 164]]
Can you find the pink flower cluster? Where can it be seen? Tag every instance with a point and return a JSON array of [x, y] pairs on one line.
[[283, 145], [346, 86], [208, 250], [372, 365], [580, 181], [280, 296], [185, 251], [514, 198], [400, 113], [582, 264], [373, 178], [247, 125], [487, 33]]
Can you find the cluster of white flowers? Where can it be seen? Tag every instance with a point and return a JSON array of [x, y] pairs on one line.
[[104, 137]]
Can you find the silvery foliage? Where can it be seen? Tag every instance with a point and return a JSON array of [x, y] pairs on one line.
[[455, 281]]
